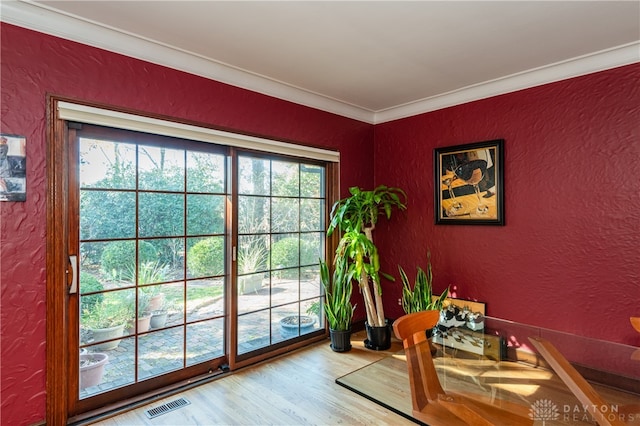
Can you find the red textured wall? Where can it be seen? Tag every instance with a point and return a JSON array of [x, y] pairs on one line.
[[566, 259], [568, 256], [34, 65]]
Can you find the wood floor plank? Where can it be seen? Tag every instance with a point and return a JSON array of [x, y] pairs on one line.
[[296, 389]]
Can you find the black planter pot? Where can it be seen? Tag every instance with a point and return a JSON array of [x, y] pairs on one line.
[[340, 340], [378, 338]]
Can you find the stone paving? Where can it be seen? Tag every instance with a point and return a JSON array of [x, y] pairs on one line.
[[162, 351]]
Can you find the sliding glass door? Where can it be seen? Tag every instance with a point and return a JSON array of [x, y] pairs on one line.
[[188, 255], [152, 258]]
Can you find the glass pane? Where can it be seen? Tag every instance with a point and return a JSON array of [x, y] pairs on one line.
[[311, 215], [253, 331], [160, 352], [285, 287], [205, 214], [161, 169], [252, 293], [310, 282], [311, 248], [174, 303], [153, 301], [160, 260], [205, 299], [164, 303], [205, 341], [253, 253], [285, 179], [286, 322], [253, 215], [285, 214], [111, 263], [285, 251], [104, 319], [160, 215], [106, 164], [205, 256], [253, 176], [205, 172], [311, 181], [101, 370], [107, 214]]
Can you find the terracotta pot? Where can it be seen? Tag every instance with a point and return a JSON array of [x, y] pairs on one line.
[[156, 301]]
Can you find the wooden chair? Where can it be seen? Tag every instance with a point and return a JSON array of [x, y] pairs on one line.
[[431, 404]]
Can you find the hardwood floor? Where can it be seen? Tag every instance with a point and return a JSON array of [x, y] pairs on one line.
[[296, 389]]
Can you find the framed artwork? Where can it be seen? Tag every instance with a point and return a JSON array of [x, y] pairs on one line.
[[469, 184], [13, 168], [461, 327]]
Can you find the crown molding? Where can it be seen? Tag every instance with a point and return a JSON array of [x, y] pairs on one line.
[[40, 18], [575, 67]]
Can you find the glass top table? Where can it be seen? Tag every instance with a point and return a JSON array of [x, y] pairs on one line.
[[498, 364]]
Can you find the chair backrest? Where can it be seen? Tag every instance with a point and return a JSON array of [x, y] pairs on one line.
[[423, 379], [406, 326]]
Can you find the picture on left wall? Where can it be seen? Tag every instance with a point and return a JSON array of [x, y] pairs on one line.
[[13, 168]]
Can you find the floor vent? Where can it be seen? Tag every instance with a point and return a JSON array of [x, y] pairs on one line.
[[165, 408]]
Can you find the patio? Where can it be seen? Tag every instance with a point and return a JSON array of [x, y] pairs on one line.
[[168, 349]]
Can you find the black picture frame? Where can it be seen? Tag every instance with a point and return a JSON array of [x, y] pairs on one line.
[[469, 184], [13, 168]]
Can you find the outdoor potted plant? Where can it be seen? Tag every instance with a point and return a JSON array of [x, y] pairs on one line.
[[420, 297], [92, 368], [159, 315], [337, 307], [294, 325], [108, 319], [356, 217]]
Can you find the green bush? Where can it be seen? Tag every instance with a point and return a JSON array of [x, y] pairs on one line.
[[284, 253], [206, 257], [119, 257], [89, 284]]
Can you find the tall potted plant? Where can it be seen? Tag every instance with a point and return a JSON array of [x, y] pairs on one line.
[[356, 217], [337, 307]]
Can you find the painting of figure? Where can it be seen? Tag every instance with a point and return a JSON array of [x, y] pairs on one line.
[[13, 168]]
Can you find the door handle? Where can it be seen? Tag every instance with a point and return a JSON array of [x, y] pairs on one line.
[[73, 288]]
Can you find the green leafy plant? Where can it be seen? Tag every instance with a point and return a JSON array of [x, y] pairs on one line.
[[284, 252], [252, 257], [337, 293], [118, 257], [420, 297], [148, 272], [89, 284], [206, 257], [356, 217], [116, 308], [314, 308]]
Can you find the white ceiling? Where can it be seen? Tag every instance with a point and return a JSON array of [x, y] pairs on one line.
[[374, 61]]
